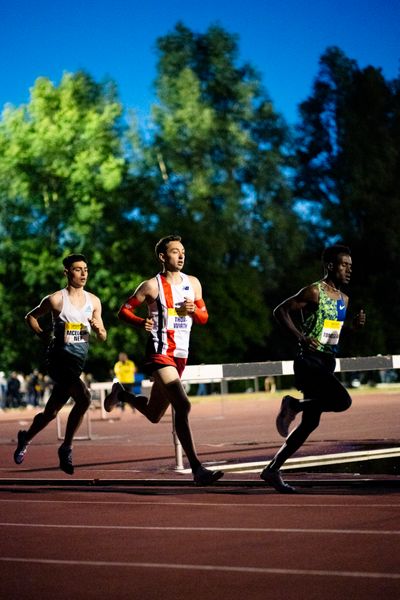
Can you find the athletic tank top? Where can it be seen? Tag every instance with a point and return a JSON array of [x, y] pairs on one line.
[[326, 323], [72, 328], [171, 324]]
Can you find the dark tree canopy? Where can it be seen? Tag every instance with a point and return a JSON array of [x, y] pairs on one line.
[[254, 203]]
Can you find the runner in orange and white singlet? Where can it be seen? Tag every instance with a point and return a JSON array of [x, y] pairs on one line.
[[169, 338], [174, 302]]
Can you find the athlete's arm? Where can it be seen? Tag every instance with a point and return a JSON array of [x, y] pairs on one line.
[[196, 308], [96, 322], [146, 292], [306, 299], [49, 304], [359, 319]]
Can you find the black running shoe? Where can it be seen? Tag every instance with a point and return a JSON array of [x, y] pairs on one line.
[[65, 456], [286, 416], [274, 478], [22, 447], [203, 476], [112, 399]]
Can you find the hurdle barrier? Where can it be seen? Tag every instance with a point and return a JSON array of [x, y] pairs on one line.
[[223, 373]]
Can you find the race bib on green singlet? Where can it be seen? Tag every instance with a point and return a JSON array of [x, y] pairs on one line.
[[75, 333], [331, 332]]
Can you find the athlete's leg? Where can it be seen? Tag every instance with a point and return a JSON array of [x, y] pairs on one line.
[[168, 389], [169, 382], [152, 408], [81, 396], [320, 386], [309, 422], [120, 395], [58, 398], [322, 392]]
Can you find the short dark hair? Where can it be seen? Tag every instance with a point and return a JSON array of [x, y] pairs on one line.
[[71, 258], [331, 253], [161, 246]]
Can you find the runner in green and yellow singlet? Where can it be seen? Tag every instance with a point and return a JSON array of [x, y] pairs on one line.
[[321, 310]]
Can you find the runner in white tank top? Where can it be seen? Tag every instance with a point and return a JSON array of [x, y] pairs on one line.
[[71, 330], [75, 313]]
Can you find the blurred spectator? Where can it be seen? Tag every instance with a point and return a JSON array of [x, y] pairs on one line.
[[125, 370], [3, 389], [35, 390], [269, 384], [23, 390], [13, 395], [202, 389], [388, 376], [47, 386]]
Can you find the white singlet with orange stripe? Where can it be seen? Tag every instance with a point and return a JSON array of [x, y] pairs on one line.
[[171, 323]]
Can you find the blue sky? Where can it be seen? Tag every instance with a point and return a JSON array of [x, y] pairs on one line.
[[283, 40]]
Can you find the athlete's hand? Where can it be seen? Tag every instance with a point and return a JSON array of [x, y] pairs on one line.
[[94, 324], [359, 319], [45, 336], [309, 343], [189, 305], [148, 324]]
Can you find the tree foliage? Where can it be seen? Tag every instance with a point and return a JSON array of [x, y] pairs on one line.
[[218, 160], [61, 173], [217, 164], [349, 159]]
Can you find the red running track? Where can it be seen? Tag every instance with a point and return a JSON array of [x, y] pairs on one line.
[[144, 531]]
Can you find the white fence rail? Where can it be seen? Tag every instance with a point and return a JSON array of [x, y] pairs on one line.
[[222, 373]]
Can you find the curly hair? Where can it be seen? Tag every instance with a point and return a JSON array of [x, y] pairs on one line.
[[331, 253]]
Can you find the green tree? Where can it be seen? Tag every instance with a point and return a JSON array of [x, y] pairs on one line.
[[62, 172], [349, 176], [218, 162]]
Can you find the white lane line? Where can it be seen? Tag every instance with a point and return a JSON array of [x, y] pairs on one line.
[[16, 501], [379, 532], [188, 567]]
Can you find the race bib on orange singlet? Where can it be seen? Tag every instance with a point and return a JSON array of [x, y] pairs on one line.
[[331, 332], [75, 333]]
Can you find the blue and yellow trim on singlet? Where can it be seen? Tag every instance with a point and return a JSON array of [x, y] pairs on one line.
[[326, 323]]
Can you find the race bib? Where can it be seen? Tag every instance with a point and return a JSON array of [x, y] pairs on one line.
[[75, 333], [331, 332], [177, 318]]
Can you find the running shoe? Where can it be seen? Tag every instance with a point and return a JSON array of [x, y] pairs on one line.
[[112, 399], [22, 447], [274, 478], [203, 476], [65, 456], [286, 415]]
